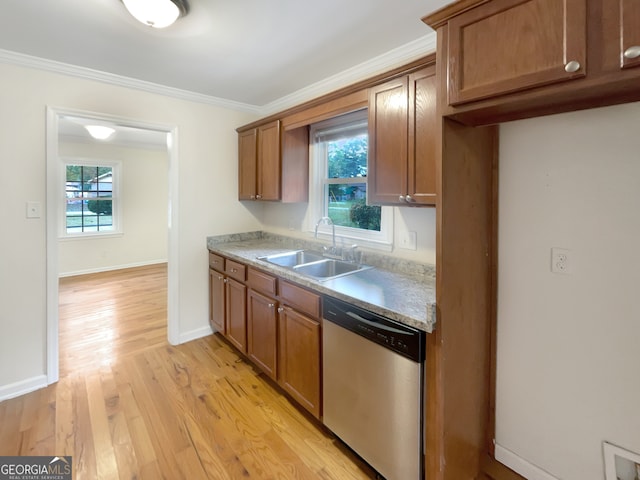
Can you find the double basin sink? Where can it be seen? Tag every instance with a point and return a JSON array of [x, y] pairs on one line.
[[314, 264]]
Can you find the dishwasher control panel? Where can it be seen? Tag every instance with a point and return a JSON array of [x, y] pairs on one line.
[[400, 338]]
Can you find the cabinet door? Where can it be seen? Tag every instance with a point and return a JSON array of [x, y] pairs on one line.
[[388, 133], [630, 33], [509, 45], [262, 337], [236, 302], [216, 301], [614, 36], [422, 137], [247, 164], [269, 161], [300, 359], [295, 165]]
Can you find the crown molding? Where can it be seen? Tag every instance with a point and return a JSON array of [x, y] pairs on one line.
[[29, 61], [387, 61], [380, 64]]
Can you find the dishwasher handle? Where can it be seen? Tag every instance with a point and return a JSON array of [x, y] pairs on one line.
[[377, 325]]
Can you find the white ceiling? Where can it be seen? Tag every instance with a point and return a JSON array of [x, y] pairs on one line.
[[249, 51]]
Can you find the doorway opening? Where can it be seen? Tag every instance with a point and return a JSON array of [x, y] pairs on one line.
[[65, 128]]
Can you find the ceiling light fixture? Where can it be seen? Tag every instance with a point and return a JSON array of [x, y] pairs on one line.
[[100, 132], [157, 13]]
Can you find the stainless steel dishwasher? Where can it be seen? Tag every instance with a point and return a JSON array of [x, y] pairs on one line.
[[373, 370]]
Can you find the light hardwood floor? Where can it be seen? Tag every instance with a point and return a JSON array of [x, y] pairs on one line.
[[129, 405]]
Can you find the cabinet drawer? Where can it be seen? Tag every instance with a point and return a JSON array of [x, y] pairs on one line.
[[216, 262], [300, 299], [261, 281], [235, 270]]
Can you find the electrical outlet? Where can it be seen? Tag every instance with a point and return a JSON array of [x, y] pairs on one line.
[[561, 260], [409, 240]]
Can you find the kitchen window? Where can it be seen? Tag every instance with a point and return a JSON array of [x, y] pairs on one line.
[[91, 200], [338, 184]]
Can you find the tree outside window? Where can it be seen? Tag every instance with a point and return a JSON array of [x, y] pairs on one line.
[[347, 184]]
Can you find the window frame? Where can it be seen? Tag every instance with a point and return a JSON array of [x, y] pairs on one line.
[[116, 198], [318, 185]]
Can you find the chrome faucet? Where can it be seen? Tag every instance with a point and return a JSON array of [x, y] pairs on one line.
[[328, 221]]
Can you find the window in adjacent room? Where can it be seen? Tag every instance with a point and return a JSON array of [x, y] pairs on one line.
[[91, 198], [339, 182]]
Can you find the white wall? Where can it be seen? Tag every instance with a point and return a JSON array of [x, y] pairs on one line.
[[144, 205], [207, 171], [568, 365]]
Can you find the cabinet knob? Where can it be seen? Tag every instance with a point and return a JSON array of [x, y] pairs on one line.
[[632, 52], [258, 197], [220, 278], [253, 197], [401, 198], [225, 280], [409, 199], [280, 309], [234, 270], [271, 305], [572, 66]]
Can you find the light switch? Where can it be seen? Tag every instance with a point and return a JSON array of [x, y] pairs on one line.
[[34, 209]]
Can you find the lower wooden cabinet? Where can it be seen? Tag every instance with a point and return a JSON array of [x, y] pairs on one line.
[[236, 314], [300, 358], [274, 322], [262, 339], [216, 301]]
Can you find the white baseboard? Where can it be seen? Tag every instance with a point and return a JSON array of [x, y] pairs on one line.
[[24, 386], [520, 465], [110, 268], [195, 334]]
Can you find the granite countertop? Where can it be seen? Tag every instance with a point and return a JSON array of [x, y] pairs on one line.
[[396, 288]]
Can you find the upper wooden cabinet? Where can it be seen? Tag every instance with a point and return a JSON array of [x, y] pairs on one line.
[[273, 164], [510, 45], [247, 164], [402, 114], [512, 59], [422, 137], [259, 163], [268, 176], [621, 24]]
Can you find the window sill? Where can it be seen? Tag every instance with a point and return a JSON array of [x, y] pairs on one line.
[[87, 236]]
